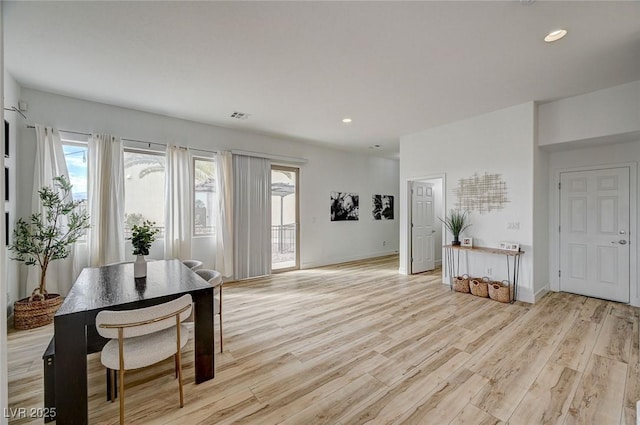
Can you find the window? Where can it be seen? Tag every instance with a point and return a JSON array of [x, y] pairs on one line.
[[75, 155], [143, 188], [204, 188]]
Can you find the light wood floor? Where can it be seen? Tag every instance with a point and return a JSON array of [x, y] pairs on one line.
[[358, 343]]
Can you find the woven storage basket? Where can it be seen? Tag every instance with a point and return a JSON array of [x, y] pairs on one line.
[[500, 291], [480, 287], [29, 315], [461, 283]]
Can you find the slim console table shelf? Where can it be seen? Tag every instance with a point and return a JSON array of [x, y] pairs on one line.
[[452, 254]]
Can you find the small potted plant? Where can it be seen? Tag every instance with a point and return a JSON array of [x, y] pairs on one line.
[[43, 238], [142, 236], [456, 222]]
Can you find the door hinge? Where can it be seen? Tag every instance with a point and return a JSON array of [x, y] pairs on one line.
[[559, 185], [559, 227], [559, 273]]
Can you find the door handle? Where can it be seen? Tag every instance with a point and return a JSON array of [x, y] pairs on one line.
[[621, 242]]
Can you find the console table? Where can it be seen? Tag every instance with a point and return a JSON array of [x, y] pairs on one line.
[[452, 264]]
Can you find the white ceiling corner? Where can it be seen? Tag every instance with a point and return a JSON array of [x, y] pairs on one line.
[[298, 68]]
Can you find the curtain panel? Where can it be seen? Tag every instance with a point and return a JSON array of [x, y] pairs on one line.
[[50, 163], [106, 200], [178, 211], [252, 216], [224, 216]]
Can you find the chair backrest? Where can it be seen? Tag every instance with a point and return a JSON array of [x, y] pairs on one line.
[[193, 264], [143, 321], [212, 276]]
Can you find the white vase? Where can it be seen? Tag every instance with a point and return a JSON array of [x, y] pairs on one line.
[[140, 267]]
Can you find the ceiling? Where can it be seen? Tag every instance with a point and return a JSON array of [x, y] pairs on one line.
[[298, 68]]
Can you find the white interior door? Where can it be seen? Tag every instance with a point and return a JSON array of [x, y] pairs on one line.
[[422, 228], [594, 233]]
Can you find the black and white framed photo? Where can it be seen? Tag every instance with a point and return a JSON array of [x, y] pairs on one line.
[[6, 184], [382, 207], [6, 138], [468, 242], [344, 206]]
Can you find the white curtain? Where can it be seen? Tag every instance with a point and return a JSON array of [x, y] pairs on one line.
[[49, 163], [224, 216], [106, 200], [252, 216], [178, 203]]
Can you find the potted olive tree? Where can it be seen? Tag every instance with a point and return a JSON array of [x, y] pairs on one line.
[[41, 239], [456, 222], [142, 236]]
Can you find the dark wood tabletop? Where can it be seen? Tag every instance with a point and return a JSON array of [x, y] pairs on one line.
[[98, 288]]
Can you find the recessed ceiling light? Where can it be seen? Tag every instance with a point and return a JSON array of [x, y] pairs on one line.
[[555, 35], [346, 120]]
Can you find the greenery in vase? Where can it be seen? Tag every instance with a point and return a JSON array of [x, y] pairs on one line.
[[142, 236], [456, 222], [43, 238]]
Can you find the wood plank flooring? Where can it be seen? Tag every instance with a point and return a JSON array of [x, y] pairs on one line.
[[358, 343]]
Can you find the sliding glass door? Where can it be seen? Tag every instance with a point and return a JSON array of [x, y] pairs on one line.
[[284, 218]]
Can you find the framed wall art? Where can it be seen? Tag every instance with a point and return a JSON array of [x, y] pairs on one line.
[[509, 246], [345, 206], [382, 207], [6, 138]]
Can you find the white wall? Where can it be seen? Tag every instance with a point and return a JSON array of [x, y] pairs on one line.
[[499, 142], [601, 128], [333, 242], [540, 220], [602, 116], [322, 242], [4, 390], [16, 122], [610, 154]]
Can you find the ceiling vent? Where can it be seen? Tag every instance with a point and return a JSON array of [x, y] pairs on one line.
[[240, 115]]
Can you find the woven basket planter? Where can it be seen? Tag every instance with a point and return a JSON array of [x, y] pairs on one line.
[[480, 287], [32, 314], [461, 283], [500, 291]]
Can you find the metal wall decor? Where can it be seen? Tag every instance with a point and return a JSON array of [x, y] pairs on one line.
[[483, 194]]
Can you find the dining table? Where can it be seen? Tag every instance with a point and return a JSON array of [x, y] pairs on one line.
[[114, 287]]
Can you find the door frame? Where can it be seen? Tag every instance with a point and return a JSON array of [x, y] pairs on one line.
[[554, 237], [405, 266], [296, 170]]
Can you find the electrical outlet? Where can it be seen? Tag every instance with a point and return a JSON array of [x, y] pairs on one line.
[[384, 243], [489, 271]]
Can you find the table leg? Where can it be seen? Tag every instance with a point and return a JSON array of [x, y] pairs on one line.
[[204, 344], [71, 369]]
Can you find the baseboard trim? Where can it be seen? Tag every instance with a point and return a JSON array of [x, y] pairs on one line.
[[334, 261], [541, 293]]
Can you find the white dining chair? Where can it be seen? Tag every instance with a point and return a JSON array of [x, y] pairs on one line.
[[193, 264], [143, 337], [214, 278]]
